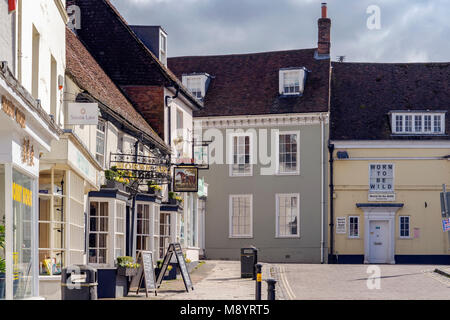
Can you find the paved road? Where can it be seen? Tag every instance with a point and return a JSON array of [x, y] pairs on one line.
[[350, 282]]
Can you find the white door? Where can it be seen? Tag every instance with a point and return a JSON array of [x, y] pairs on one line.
[[379, 242]]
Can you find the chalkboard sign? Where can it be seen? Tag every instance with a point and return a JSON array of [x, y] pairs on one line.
[[175, 248], [145, 273]]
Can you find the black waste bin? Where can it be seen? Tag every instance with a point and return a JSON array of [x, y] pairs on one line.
[[79, 282], [249, 258]]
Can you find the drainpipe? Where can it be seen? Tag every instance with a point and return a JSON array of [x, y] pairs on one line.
[[169, 121], [331, 150], [322, 188]]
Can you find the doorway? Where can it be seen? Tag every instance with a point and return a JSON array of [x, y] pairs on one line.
[[379, 241]]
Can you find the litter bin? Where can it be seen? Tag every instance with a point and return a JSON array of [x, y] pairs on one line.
[[79, 282], [249, 258]]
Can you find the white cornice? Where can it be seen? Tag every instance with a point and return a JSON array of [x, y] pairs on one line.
[[392, 144], [267, 120]]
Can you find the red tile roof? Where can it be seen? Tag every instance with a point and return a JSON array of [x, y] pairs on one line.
[[248, 84], [362, 95], [89, 76]]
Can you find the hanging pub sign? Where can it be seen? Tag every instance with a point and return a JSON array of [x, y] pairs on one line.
[[144, 169], [185, 179]]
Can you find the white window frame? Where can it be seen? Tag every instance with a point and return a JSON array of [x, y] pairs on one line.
[[400, 227], [231, 154], [350, 229], [301, 77], [230, 217], [117, 233], [199, 78], [297, 171], [150, 219], [277, 207], [104, 141], [413, 115], [109, 218], [393, 179]]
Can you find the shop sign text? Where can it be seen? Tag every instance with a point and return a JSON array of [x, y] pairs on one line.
[[22, 195], [9, 108]]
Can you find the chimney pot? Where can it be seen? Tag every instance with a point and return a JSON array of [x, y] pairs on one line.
[[324, 9]]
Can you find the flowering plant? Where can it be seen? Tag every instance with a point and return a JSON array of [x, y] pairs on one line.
[[127, 262]]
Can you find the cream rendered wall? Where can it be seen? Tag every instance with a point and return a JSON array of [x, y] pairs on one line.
[[50, 23], [417, 184]]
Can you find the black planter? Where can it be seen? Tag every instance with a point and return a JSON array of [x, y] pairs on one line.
[[126, 272], [172, 273], [2, 286], [113, 184]]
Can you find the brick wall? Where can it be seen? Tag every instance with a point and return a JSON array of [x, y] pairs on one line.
[[149, 101]]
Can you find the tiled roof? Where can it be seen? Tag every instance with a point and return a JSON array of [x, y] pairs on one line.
[[248, 84], [119, 51], [362, 95], [89, 76]]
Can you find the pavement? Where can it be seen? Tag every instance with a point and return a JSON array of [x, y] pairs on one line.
[[220, 280], [212, 280]]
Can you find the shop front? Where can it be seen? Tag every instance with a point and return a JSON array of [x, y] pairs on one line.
[[67, 174], [25, 132]]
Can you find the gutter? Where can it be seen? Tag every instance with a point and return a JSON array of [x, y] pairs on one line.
[[322, 189], [331, 150]]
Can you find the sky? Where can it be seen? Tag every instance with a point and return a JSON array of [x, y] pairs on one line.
[[362, 30]]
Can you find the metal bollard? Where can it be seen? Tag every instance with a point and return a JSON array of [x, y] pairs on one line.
[[271, 289], [258, 282]]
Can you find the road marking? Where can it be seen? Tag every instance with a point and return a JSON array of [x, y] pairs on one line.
[[286, 285], [436, 276]]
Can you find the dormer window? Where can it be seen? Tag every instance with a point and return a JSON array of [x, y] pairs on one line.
[[418, 123], [163, 47], [197, 84], [292, 81], [194, 85]]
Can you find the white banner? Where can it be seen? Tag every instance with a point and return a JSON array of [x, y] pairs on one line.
[[82, 113]]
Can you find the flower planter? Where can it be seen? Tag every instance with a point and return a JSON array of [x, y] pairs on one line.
[[2, 286], [113, 184], [171, 275], [127, 272]]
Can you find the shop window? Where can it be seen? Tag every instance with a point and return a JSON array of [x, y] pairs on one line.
[[143, 227], [241, 216], [22, 235], [156, 251], [120, 230], [288, 215], [98, 232], [164, 233], [52, 222]]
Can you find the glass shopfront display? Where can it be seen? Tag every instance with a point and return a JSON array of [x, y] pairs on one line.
[[2, 233], [22, 192]]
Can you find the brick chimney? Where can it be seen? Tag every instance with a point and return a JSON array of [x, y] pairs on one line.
[[324, 43]]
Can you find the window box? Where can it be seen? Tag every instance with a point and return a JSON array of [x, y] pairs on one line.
[[126, 272], [113, 184]]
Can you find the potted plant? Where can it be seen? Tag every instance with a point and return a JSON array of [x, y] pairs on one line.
[[126, 266], [174, 198], [155, 189], [172, 275], [2, 262], [116, 179]]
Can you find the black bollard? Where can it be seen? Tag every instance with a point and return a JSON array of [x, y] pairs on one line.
[[271, 289], [258, 282]]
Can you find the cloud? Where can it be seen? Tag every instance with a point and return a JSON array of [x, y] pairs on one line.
[[411, 30]]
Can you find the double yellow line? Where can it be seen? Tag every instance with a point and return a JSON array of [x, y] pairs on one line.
[[284, 281]]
